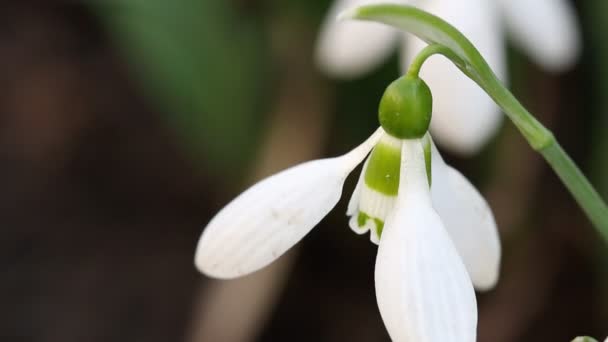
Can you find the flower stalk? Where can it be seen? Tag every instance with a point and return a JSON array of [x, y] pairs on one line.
[[446, 40]]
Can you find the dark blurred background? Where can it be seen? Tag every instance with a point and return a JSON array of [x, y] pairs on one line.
[[125, 125]]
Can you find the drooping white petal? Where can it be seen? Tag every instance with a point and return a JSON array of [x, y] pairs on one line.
[[423, 290], [348, 49], [270, 217], [469, 222], [547, 30], [464, 116]]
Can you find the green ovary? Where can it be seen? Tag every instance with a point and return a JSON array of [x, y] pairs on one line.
[[406, 107]]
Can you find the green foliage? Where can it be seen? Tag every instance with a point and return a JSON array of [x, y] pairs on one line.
[[203, 64], [597, 12]]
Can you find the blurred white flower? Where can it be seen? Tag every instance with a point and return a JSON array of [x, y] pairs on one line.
[[586, 339], [464, 116], [424, 270]]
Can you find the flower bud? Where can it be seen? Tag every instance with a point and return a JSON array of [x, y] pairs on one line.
[[405, 108]]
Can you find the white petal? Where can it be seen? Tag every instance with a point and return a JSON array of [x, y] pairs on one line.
[[368, 206], [270, 217], [464, 116], [546, 29], [353, 204], [353, 210], [376, 207], [423, 290], [469, 222], [349, 49]]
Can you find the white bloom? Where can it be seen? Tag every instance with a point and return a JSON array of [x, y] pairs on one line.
[[464, 116], [424, 271], [466, 214]]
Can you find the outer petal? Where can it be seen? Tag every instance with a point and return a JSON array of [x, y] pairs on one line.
[[469, 221], [270, 217], [464, 116], [424, 292], [350, 49], [546, 29]]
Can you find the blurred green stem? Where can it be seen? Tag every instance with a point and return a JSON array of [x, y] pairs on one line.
[[542, 140], [597, 19]]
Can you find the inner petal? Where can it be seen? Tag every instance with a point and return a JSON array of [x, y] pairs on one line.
[[377, 188], [382, 173]]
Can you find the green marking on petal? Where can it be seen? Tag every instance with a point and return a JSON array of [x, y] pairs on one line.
[[427, 160], [379, 226], [362, 218], [382, 172]]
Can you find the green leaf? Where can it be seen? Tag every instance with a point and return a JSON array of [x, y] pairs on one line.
[[202, 64], [429, 28]]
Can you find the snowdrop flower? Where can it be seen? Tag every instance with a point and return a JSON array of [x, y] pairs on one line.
[[545, 29], [436, 234]]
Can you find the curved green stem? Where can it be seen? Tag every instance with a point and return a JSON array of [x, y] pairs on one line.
[[539, 137], [543, 141], [446, 40], [427, 52]]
